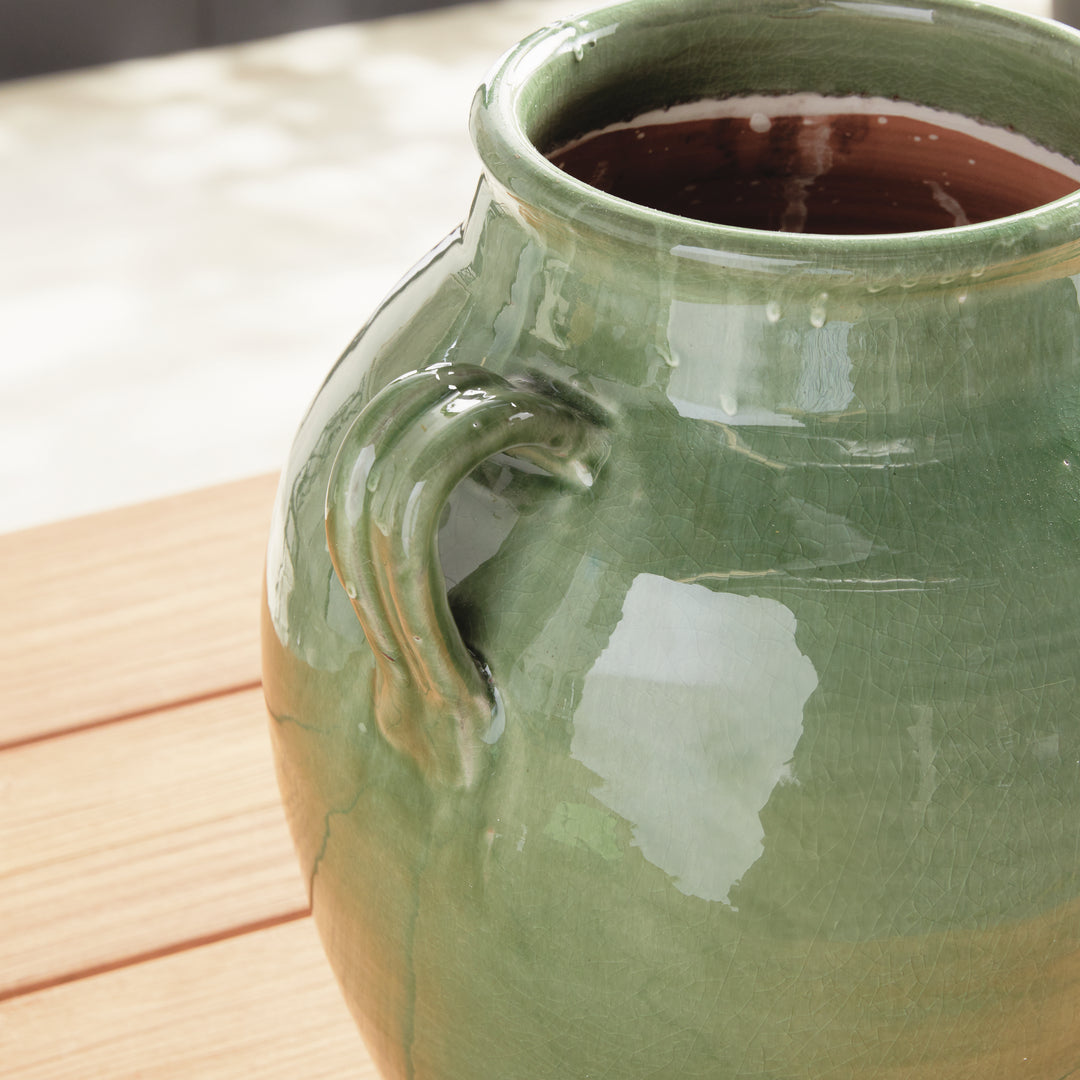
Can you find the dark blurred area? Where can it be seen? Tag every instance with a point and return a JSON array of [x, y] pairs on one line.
[[1067, 11], [39, 36]]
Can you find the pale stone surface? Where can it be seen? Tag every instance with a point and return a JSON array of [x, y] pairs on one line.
[[189, 242]]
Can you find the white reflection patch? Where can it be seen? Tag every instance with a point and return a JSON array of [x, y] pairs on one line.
[[719, 354], [476, 523], [690, 717], [825, 384], [717, 351]]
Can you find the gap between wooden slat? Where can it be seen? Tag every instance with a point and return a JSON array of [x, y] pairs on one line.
[[135, 714], [263, 1004], [132, 839], [153, 954], [115, 613]]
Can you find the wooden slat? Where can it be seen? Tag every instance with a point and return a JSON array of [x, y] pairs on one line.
[[131, 609], [133, 837], [263, 1005]]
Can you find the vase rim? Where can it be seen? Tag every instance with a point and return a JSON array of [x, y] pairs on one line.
[[547, 73]]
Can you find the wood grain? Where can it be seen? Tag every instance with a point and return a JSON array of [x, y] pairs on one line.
[[136, 837], [263, 1005], [132, 609], [153, 922]]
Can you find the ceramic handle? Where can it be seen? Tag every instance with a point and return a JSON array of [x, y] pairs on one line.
[[398, 463]]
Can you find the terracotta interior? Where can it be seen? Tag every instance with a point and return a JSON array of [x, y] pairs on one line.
[[848, 173]]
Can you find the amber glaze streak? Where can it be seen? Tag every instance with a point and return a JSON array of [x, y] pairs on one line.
[[850, 173]]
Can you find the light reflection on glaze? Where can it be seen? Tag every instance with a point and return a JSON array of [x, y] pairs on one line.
[[476, 523], [889, 11], [825, 384], [719, 353], [690, 717], [716, 350], [279, 571]]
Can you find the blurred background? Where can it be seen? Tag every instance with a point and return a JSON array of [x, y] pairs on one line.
[[201, 201]]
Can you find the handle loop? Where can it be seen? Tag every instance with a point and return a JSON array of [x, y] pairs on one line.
[[397, 464]]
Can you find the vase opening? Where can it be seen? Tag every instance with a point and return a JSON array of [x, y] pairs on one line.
[[854, 118], [809, 163]]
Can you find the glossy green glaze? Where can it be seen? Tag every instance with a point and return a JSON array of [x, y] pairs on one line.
[[719, 718]]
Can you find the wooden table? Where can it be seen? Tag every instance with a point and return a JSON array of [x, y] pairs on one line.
[[152, 918]]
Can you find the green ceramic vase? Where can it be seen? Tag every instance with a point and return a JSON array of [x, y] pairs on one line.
[[672, 630]]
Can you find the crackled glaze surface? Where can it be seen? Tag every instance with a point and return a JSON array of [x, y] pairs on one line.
[[721, 722]]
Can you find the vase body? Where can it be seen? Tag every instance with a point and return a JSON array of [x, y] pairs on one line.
[[780, 770]]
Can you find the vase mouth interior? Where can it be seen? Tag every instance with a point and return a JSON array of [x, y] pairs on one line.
[[984, 66]]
